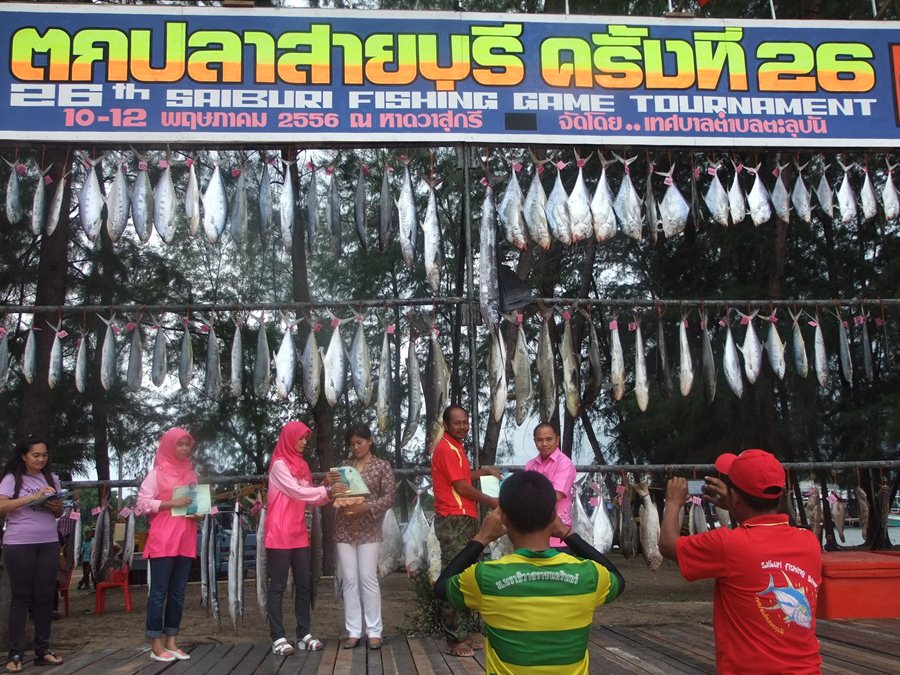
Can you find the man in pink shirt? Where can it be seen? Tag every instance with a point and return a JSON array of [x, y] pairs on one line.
[[552, 463]]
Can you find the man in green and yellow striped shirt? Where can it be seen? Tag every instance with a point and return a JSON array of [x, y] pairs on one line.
[[536, 603]]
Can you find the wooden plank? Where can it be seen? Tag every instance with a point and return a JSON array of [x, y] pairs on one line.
[[634, 653], [695, 641], [703, 660], [374, 661], [203, 658], [127, 664], [397, 658], [603, 662], [255, 659], [424, 665], [862, 660], [458, 665], [232, 659], [327, 658], [846, 635], [673, 652], [343, 661], [358, 660], [80, 660]]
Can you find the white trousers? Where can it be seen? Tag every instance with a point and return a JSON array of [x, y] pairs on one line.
[[360, 590]]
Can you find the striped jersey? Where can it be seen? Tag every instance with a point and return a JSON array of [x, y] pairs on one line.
[[537, 608]]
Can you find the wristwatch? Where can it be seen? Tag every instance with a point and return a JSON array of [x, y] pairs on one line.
[[329, 492]]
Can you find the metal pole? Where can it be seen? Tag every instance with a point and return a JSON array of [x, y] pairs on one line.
[[470, 295]]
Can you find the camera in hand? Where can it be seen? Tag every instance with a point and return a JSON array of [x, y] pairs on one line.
[[697, 487]]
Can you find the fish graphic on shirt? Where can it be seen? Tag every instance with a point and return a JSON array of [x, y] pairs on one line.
[[792, 601]]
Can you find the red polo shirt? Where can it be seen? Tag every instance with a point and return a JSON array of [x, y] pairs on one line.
[[767, 579], [449, 463]]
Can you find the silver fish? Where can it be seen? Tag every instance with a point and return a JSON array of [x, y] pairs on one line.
[[359, 208], [497, 375], [821, 359], [758, 199], [868, 366], [824, 193], [617, 372], [557, 210], [651, 208], [628, 204], [160, 366], [602, 210], [361, 366], [801, 364], [192, 199], [29, 358], [488, 284], [737, 205], [751, 349], [287, 207], [697, 519], [846, 197], [415, 393], [800, 197], [90, 201], [262, 365], [383, 397], [844, 353], [14, 210], [204, 561], [108, 356], [312, 209], [510, 212], [649, 529], [641, 385], [212, 383], [102, 544], [81, 365], [534, 209], [732, 364], [862, 500], [673, 209], [135, 376], [546, 367], [312, 368], [215, 206], [237, 210], [385, 211], [38, 202], [237, 361], [629, 537], [890, 200], [707, 362], [54, 371], [775, 349], [593, 375], [440, 381], [406, 216], [186, 358], [333, 215], [128, 542], [601, 527], [664, 368], [685, 365], [521, 365], [286, 361], [212, 561], [431, 241], [164, 205], [55, 206], [264, 203], [570, 366], [838, 515], [581, 220], [867, 196], [118, 205], [235, 568], [262, 581], [335, 366], [716, 198], [142, 202], [780, 199]]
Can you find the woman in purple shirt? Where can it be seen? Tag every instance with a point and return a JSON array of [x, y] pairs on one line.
[[30, 548]]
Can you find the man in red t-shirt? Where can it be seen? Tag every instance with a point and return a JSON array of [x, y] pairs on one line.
[[767, 573], [456, 514]]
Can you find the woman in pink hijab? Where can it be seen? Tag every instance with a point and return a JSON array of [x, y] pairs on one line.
[[287, 539], [171, 543]]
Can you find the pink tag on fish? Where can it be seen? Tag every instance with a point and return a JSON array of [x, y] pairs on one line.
[[773, 318], [696, 501], [627, 170], [125, 511], [484, 181], [593, 501], [390, 329], [256, 508], [213, 510], [329, 170], [580, 162], [235, 173], [685, 322], [567, 315], [3, 332], [723, 323], [335, 323], [142, 165], [520, 317], [620, 489], [668, 181], [540, 169], [116, 329], [632, 326], [204, 329], [879, 321], [163, 164], [739, 167], [62, 334], [516, 167], [48, 180], [595, 486], [560, 165], [858, 320], [614, 325], [845, 324], [96, 511], [75, 515], [189, 162], [745, 320], [317, 327], [831, 498], [365, 170], [20, 169], [696, 172], [86, 164], [712, 171], [130, 325], [776, 171], [812, 323]]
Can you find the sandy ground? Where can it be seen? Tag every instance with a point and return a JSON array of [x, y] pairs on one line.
[[649, 598]]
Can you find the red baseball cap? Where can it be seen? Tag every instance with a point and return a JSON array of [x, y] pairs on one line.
[[756, 472]]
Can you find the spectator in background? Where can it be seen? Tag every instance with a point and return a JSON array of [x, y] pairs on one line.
[[558, 469]]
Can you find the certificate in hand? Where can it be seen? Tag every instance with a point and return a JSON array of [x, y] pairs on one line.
[[352, 477], [490, 485], [201, 500]]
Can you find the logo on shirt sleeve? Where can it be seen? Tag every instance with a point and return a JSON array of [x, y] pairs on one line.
[[790, 601]]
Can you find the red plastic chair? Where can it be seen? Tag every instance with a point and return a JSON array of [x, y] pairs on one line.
[[117, 578], [62, 585]]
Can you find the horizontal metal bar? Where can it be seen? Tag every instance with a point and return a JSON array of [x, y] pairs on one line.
[[676, 302]]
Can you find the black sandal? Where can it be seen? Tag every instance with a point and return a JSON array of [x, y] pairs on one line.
[[14, 663], [48, 658]]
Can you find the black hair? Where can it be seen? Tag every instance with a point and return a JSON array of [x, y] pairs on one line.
[[758, 504], [16, 464], [528, 501], [360, 431], [449, 409], [549, 425]]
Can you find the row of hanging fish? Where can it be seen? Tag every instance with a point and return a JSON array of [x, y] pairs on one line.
[[584, 379]]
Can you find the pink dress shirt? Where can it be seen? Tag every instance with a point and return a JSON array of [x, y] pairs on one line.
[[286, 510], [168, 536], [560, 471]]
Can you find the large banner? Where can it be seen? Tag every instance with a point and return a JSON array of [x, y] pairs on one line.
[[115, 74]]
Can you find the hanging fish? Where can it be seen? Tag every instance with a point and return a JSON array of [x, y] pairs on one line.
[[488, 284], [164, 204], [108, 355], [56, 206], [844, 353], [359, 207], [135, 376], [215, 206], [716, 198], [185, 358], [758, 199], [311, 361], [846, 197], [333, 214], [673, 209], [534, 208], [641, 385], [54, 371], [334, 365], [212, 383], [890, 200], [651, 208], [521, 365], [415, 392], [685, 365], [90, 201], [385, 211], [312, 209], [649, 530], [497, 375], [142, 202], [570, 367], [821, 359], [737, 205], [431, 240], [360, 365], [707, 361], [262, 581], [235, 568], [192, 199], [602, 208], [696, 213], [546, 367], [629, 538], [406, 217], [868, 366], [557, 209], [601, 527], [383, 396], [664, 368], [867, 195], [800, 198], [264, 203], [696, 518], [237, 360], [824, 193], [780, 198], [801, 365], [775, 348], [118, 205], [29, 358], [39, 201], [510, 212], [14, 210], [287, 208], [627, 204], [237, 220], [159, 366], [439, 387], [581, 221], [286, 361], [4, 355], [732, 364], [81, 364], [751, 349], [593, 378], [262, 365], [617, 372]]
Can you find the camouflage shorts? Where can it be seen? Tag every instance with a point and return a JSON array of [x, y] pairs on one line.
[[453, 533]]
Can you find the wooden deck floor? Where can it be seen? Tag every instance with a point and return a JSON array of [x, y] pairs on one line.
[[847, 647]]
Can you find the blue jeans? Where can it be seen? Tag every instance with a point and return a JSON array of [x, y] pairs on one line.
[[168, 579]]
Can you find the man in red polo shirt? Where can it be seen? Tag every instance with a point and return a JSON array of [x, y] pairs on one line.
[[456, 514], [767, 573]]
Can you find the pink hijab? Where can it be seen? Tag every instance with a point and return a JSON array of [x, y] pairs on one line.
[[171, 470], [284, 450]]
